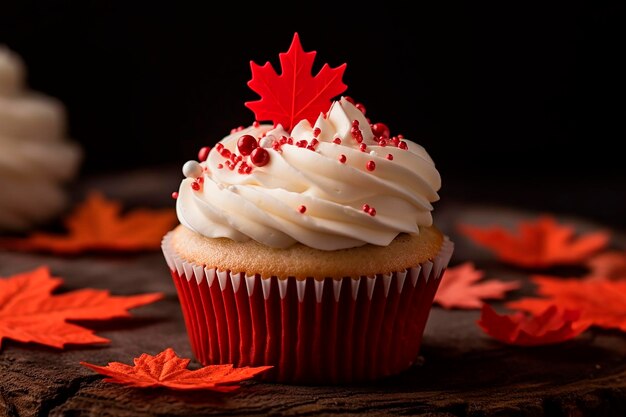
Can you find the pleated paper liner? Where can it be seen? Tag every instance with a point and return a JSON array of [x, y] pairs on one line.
[[312, 331]]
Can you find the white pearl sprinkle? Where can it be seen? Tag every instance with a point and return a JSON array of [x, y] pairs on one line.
[[373, 153], [192, 169], [267, 141]]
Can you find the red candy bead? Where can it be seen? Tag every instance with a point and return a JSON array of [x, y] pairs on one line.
[[337, 141], [260, 157], [361, 108], [302, 209], [350, 99], [380, 129], [403, 145], [371, 165], [371, 211], [246, 144], [175, 195], [342, 158], [203, 153], [195, 186], [390, 157]]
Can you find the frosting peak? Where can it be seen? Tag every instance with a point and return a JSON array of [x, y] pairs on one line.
[[333, 185]]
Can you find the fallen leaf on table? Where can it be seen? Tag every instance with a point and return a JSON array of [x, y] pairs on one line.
[[98, 225], [30, 313], [295, 94], [459, 288], [608, 265], [549, 327], [601, 302], [538, 243], [168, 370]]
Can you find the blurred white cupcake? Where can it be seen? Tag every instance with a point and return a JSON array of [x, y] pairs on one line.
[[35, 157]]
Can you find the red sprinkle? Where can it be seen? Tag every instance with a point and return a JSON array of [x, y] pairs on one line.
[[314, 142], [256, 124], [363, 147], [290, 141], [317, 131], [260, 157], [302, 143], [356, 132], [371, 165], [311, 148], [372, 211], [302, 209], [380, 129], [203, 153], [219, 147], [361, 107], [366, 207], [246, 144], [195, 186], [220, 166], [283, 140], [403, 145], [175, 195], [390, 157], [382, 143], [350, 99], [337, 141], [225, 153], [342, 158]]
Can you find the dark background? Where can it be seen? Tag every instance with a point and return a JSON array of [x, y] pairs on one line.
[[517, 104]]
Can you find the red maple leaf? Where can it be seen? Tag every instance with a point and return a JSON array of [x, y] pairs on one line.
[[549, 327], [601, 302], [608, 265], [98, 225], [295, 94], [170, 371], [538, 244], [29, 313], [459, 288]]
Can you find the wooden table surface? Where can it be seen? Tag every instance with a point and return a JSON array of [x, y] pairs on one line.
[[461, 371]]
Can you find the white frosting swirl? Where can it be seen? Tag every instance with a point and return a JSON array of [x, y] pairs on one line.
[[34, 158], [264, 204]]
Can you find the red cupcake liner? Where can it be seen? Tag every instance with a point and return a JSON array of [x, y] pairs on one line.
[[311, 331]]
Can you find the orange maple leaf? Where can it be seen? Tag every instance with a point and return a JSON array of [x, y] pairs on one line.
[[29, 313], [294, 94], [549, 327], [459, 288], [608, 265], [601, 302], [97, 225], [538, 243], [168, 370]]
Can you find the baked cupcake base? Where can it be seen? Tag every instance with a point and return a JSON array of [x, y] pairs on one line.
[[311, 330]]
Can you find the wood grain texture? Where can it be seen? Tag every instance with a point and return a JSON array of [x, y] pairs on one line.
[[461, 371]]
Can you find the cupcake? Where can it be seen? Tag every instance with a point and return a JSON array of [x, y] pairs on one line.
[[35, 159], [307, 244]]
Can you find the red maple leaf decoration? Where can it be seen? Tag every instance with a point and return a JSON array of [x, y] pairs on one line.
[[295, 94], [459, 288], [601, 302], [608, 265], [170, 371], [538, 243], [30, 313], [549, 327], [98, 225]]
